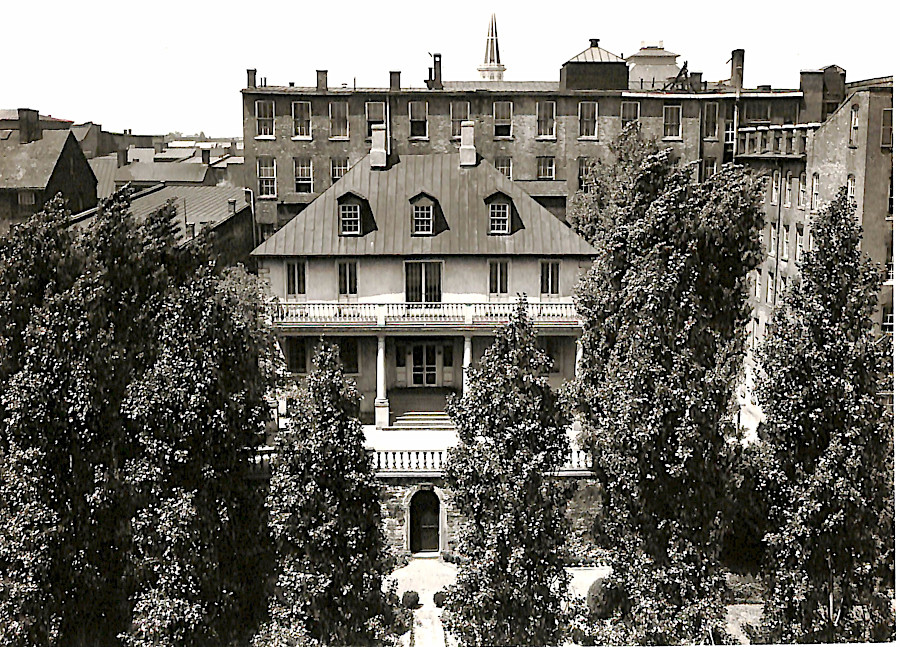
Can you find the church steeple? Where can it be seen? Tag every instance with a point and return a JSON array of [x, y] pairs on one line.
[[492, 70]]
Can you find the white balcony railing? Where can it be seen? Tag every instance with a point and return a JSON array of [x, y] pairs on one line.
[[398, 314]]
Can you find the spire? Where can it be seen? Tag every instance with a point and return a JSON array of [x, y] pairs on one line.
[[492, 69]]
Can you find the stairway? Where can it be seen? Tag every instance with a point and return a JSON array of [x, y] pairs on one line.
[[423, 420]]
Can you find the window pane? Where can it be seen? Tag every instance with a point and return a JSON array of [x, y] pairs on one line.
[[339, 125], [432, 282], [546, 113], [302, 119], [414, 282], [588, 119]]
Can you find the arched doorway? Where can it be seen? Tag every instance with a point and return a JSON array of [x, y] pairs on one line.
[[424, 522]]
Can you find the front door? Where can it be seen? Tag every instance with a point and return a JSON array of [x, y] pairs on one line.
[[424, 364], [424, 522]]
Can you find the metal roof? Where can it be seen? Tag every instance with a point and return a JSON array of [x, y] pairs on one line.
[[29, 166], [161, 172], [105, 170], [502, 86], [596, 55], [460, 193]]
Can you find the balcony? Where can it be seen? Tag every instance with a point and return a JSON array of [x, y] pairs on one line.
[[300, 316]]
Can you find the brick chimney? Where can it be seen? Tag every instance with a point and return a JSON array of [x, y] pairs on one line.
[[251, 78], [321, 80], [695, 81], [467, 156], [204, 156], [29, 125], [121, 158], [378, 154], [395, 81], [232, 206], [737, 69], [438, 84]]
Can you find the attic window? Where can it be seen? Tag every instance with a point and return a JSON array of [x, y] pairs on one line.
[[26, 198], [499, 218], [350, 220], [423, 220]]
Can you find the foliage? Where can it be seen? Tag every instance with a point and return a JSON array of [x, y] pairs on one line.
[[83, 328], [410, 599], [665, 311], [511, 586], [325, 519], [828, 447]]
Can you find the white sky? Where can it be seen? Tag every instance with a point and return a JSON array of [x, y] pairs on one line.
[[165, 65]]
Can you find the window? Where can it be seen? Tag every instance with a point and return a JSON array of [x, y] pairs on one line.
[[770, 289], [302, 111], [754, 335], [776, 186], [504, 165], [773, 239], [26, 198], [756, 111], [798, 253], [546, 119], [349, 351], [347, 283], [190, 230], [854, 125], [340, 124], [776, 141], [423, 219], [303, 177], [889, 262], [265, 118], [887, 319], [763, 141], [801, 192], [789, 142], [887, 127], [814, 198], [296, 354], [551, 348], [550, 278], [350, 221], [711, 121], [709, 167], [729, 131], [851, 188], [785, 242], [339, 166], [499, 278], [499, 218], [418, 119], [503, 118], [587, 119], [890, 209], [585, 180], [374, 115], [757, 284], [266, 172], [423, 282], [546, 168], [296, 278], [672, 122], [631, 111], [788, 180], [459, 112]]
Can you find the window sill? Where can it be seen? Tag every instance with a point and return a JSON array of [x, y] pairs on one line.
[[267, 197], [263, 138], [672, 138], [711, 139], [503, 138], [339, 139], [301, 138], [416, 138], [589, 138], [546, 138]]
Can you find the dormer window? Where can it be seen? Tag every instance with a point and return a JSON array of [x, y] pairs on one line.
[[350, 220], [499, 218], [423, 220]]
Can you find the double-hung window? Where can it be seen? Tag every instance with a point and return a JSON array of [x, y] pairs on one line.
[[302, 112], [788, 181], [672, 122], [584, 169], [770, 288], [711, 121], [303, 175], [423, 282], [729, 131], [549, 278], [499, 218], [374, 115], [350, 220], [503, 164], [340, 119], [785, 242], [854, 125], [776, 184], [887, 127], [773, 238], [265, 118], [546, 168], [587, 119], [814, 199], [709, 167], [265, 167], [631, 111], [798, 251], [347, 279], [546, 119], [801, 192], [503, 118], [418, 119], [423, 219], [459, 112], [339, 166], [26, 198], [295, 285], [498, 279], [757, 284], [851, 187]]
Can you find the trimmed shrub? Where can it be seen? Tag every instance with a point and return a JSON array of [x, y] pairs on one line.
[[604, 599], [410, 599], [439, 598]]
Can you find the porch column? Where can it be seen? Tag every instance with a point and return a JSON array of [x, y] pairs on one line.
[[579, 353], [382, 407], [467, 361]]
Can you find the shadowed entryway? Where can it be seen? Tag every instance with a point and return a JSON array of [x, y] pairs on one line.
[[424, 522]]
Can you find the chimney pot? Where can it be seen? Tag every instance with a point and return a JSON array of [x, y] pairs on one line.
[[395, 81], [321, 80], [29, 125], [378, 154], [595, 42], [467, 156], [251, 78], [232, 206], [290, 84], [204, 156]]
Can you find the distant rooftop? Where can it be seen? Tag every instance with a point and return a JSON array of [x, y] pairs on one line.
[[29, 166]]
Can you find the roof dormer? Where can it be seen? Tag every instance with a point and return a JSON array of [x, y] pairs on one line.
[[426, 215], [502, 216], [354, 215]]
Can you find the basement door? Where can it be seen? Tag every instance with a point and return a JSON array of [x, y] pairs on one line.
[[424, 522]]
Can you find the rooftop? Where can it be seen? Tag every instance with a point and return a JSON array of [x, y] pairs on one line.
[[161, 172], [29, 166]]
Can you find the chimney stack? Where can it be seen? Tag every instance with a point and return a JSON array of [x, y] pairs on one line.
[[232, 206], [467, 155], [121, 158], [204, 156], [321, 80], [29, 125], [437, 83], [251, 78], [378, 154], [737, 69], [696, 81], [595, 42], [395, 81]]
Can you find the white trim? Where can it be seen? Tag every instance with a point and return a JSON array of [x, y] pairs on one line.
[[409, 114], [680, 122], [294, 134], [331, 134], [503, 122], [537, 105], [596, 119]]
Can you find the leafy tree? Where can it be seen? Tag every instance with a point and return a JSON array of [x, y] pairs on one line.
[[665, 312], [511, 588], [828, 447], [325, 519]]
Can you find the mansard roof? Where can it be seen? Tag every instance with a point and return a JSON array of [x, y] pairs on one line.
[[461, 192]]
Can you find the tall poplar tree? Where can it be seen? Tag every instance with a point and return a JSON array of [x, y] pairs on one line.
[[827, 445]]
